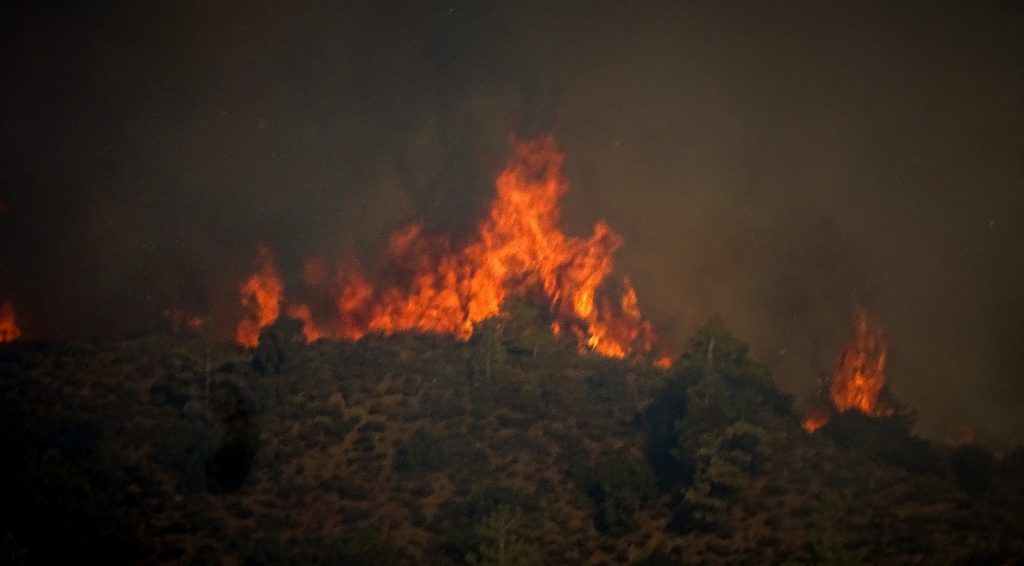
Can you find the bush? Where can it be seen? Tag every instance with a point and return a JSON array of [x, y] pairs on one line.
[[356, 550], [500, 543], [459, 519], [606, 390], [726, 463], [887, 439], [621, 486], [184, 446], [422, 452], [971, 466], [656, 558], [280, 347], [232, 461], [659, 421]]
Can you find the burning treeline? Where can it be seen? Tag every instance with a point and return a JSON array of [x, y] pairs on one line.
[[859, 379], [427, 283], [430, 284]]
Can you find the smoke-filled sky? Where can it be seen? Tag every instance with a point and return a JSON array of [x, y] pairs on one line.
[[766, 161]]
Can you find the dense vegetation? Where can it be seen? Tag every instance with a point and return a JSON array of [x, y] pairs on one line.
[[508, 449]]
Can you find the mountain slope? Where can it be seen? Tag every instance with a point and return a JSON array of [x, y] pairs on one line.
[[421, 449]]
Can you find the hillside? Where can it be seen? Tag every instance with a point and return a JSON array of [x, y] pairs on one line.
[[510, 448]]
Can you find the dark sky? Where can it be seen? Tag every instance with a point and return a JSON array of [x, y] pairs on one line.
[[767, 161]]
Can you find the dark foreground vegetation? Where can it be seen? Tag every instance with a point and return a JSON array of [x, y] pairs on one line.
[[508, 449]]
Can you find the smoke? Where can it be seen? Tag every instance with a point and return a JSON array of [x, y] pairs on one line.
[[768, 163]]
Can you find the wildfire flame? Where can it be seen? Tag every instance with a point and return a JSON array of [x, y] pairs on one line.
[[431, 285], [8, 328], [815, 420], [859, 380], [261, 296]]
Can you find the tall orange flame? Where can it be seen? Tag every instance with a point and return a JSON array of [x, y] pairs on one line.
[[261, 296], [519, 250], [859, 380], [8, 328]]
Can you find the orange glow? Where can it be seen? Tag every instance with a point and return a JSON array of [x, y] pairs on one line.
[[815, 420], [429, 284], [663, 362], [261, 296], [8, 327], [314, 272], [309, 327], [859, 380], [181, 320]]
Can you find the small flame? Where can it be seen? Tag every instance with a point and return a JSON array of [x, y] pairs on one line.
[[859, 380], [519, 250], [815, 420], [663, 362], [181, 320], [8, 327]]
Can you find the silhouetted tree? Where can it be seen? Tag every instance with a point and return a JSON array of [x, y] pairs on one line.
[[280, 346]]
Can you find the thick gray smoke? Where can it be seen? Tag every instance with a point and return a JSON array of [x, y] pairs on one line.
[[768, 162]]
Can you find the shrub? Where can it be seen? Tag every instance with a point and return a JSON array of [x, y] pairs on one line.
[[458, 519], [971, 466], [500, 542], [659, 421], [621, 486], [421, 452], [726, 462], [887, 439], [280, 347]]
